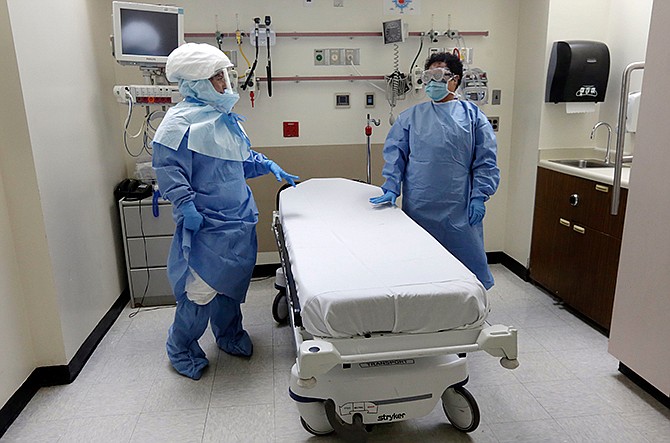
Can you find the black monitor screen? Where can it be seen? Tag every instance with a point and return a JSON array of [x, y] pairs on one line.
[[148, 33]]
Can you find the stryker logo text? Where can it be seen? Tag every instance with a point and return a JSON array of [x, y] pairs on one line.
[[391, 417]]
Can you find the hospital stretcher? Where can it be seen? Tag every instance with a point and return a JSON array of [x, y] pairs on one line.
[[383, 316]]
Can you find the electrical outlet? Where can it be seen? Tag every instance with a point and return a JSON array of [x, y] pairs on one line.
[[495, 122], [495, 96]]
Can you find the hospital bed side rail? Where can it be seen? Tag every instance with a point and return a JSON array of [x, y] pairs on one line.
[[319, 355], [292, 293]]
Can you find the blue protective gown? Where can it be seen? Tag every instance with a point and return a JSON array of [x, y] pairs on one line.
[[442, 155], [222, 252]]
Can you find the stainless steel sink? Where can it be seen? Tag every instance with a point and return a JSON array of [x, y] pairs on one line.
[[584, 163]]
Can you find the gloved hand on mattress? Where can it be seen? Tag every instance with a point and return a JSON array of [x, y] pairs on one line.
[[192, 218], [280, 173], [388, 197], [476, 211]]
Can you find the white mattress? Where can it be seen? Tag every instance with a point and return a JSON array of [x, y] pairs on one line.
[[360, 269]]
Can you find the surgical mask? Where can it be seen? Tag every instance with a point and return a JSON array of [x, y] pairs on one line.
[[202, 90], [226, 101], [437, 91]]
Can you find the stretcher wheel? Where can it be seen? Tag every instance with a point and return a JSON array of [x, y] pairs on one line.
[[280, 308], [460, 408], [307, 428], [313, 418]]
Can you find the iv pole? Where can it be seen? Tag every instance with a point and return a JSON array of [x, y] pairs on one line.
[[368, 134]]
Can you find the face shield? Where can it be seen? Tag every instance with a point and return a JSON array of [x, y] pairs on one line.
[[223, 75], [436, 74]]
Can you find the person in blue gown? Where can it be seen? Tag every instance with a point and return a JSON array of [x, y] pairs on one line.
[[441, 156], [202, 158]]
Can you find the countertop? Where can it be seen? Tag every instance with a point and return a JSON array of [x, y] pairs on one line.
[[600, 175]]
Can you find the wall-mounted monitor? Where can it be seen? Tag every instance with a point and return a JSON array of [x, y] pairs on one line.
[[146, 34]]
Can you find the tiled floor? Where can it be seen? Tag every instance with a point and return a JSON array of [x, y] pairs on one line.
[[567, 388]]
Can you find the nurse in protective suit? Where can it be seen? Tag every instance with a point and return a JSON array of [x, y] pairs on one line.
[[202, 158], [441, 155]]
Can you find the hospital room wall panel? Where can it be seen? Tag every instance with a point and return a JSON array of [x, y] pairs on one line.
[[311, 103]]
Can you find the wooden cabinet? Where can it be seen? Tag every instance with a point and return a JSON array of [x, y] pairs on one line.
[[576, 242]]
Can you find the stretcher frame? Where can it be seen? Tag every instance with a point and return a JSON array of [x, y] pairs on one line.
[[324, 358]]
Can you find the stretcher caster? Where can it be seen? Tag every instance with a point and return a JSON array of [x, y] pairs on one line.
[[280, 308], [460, 408], [280, 303], [313, 418], [509, 363]]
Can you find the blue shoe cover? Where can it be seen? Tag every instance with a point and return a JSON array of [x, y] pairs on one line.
[[240, 346]]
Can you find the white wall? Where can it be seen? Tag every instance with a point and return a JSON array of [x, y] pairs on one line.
[[60, 260], [528, 97], [25, 332], [15, 340], [572, 20], [623, 26], [65, 88], [628, 28], [640, 328]]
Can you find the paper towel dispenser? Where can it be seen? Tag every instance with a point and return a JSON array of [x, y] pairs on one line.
[[578, 72]]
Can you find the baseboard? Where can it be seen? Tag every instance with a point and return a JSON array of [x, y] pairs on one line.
[[645, 385], [265, 270], [61, 374], [499, 257]]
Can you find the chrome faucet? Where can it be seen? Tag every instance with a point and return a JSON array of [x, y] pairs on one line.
[[609, 138]]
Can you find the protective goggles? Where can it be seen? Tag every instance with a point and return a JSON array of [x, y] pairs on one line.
[[436, 74]]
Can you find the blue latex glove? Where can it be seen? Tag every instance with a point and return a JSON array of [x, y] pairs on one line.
[[388, 197], [476, 211], [281, 174], [192, 218]]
